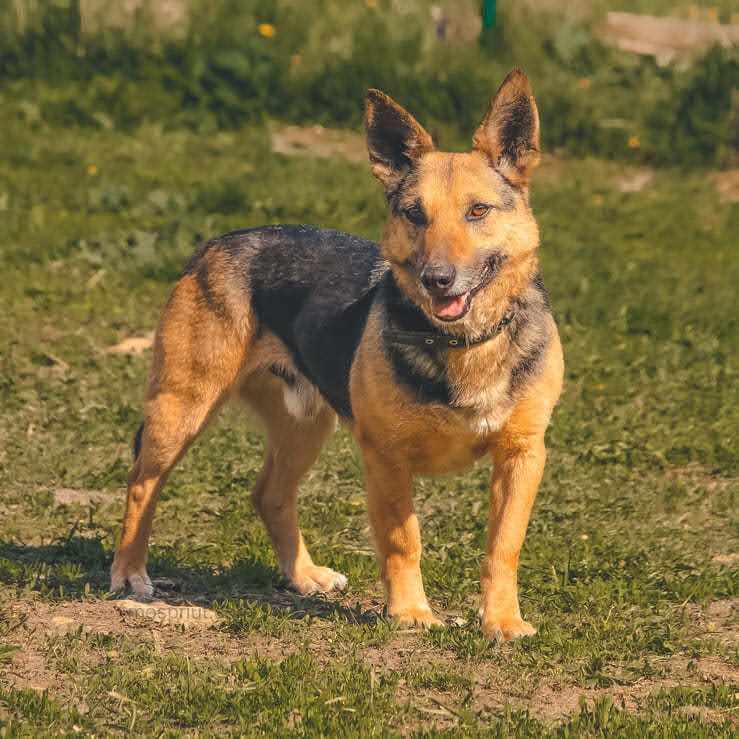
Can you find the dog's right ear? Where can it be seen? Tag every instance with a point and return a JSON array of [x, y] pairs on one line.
[[394, 139]]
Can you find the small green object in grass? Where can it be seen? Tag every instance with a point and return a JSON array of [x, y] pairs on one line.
[[488, 13]]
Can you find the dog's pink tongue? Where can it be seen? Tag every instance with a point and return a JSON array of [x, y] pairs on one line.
[[450, 307]]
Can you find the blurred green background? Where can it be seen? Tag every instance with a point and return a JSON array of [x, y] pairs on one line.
[[209, 65]]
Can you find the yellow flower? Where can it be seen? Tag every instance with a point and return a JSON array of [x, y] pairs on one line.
[[694, 11], [267, 30], [584, 82], [634, 142], [92, 170], [370, 3], [597, 200], [713, 15]]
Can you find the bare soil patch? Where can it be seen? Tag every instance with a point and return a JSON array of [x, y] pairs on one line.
[[713, 668], [553, 701], [637, 181], [718, 620], [318, 141], [161, 613], [69, 496], [727, 186], [700, 476], [549, 700], [133, 345], [39, 620], [726, 559], [667, 38], [703, 713]]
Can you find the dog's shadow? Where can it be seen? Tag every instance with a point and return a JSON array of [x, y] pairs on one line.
[[76, 567]]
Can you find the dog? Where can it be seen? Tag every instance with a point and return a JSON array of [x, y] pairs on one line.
[[435, 347]]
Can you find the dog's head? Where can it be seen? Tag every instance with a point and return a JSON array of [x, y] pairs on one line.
[[460, 236]]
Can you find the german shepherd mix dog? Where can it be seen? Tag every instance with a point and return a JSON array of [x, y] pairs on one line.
[[434, 347]]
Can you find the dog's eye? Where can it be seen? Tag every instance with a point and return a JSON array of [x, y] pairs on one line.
[[478, 211], [415, 215]]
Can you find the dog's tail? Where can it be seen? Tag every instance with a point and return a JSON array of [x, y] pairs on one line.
[[137, 442]]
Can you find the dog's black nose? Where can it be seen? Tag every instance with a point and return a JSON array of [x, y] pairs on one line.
[[438, 276]]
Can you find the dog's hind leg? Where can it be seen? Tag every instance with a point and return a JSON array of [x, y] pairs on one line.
[[296, 433], [198, 355]]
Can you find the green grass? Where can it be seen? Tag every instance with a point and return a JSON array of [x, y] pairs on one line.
[[220, 73], [626, 555]]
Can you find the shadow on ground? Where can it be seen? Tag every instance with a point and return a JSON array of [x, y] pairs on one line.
[[77, 567]]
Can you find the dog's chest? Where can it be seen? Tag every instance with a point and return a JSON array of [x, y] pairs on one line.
[[480, 384], [473, 386], [445, 436], [440, 439]]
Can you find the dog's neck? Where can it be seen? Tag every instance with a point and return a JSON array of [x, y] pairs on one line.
[[408, 325], [481, 376]]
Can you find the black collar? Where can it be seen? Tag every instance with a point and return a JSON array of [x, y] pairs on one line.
[[433, 338]]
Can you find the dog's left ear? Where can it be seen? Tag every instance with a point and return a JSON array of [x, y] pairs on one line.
[[395, 139], [509, 133]]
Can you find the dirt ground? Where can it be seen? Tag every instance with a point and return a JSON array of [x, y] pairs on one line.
[[187, 627]]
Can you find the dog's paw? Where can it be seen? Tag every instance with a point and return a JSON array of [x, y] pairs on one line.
[[315, 579], [506, 629], [141, 585], [415, 616]]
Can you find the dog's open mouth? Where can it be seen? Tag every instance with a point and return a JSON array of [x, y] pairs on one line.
[[452, 308]]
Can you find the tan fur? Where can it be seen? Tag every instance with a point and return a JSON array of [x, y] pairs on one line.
[[487, 138], [449, 182], [198, 356], [207, 350], [519, 454], [293, 445]]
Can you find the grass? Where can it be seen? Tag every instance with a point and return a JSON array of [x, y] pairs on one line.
[[315, 64], [627, 567]]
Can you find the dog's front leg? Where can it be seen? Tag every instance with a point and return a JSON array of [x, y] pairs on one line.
[[518, 468], [398, 539]]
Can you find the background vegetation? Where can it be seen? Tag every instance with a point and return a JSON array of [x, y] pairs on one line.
[[123, 147], [211, 66]]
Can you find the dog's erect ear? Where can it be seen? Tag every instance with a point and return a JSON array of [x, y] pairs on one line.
[[394, 139], [509, 133]]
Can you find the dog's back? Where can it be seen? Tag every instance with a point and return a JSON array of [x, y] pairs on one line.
[[310, 287]]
